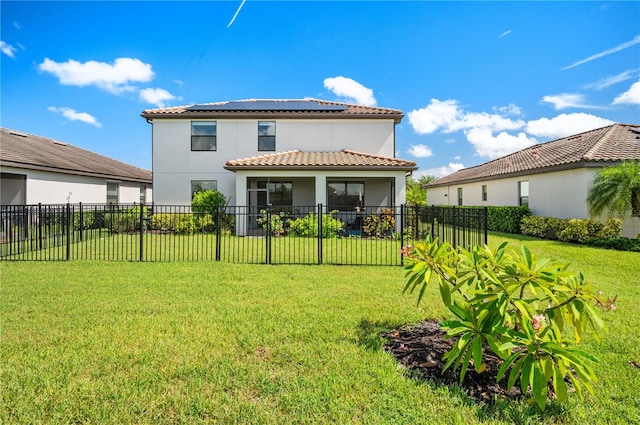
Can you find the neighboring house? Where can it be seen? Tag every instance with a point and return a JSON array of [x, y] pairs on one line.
[[553, 179], [279, 152], [36, 169]]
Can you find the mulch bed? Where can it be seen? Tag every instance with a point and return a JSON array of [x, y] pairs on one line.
[[421, 347]]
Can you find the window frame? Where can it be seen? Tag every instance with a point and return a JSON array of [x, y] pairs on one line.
[[204, 137], [213, 182], [268, 127], [349, 202], [117, 193], [484, 192], [460, 197], [523, 200], [279, 194]]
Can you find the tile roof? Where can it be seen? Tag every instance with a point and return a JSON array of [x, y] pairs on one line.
[[280, 108], [21, 150], [345, 159], [603, 146]]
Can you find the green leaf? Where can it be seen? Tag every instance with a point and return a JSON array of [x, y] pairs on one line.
[[476, 349], [445, 293], [539, 385], [465, 364], [559, 386], [516, 371], [526, 378], [505, 366]]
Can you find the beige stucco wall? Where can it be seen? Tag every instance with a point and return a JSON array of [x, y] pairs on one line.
[[175, 165], [56, 188]]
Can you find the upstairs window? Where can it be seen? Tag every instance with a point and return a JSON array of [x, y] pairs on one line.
[[523, 193], [460, 196], [484, 192], [203, 136], [266, 135]]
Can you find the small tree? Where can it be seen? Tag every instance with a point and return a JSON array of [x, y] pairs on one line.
[[515, 306], [207, 203]]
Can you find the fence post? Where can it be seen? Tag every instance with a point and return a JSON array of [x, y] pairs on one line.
[[218, 232], [81, 224], [268, 236], [486, 225], [68, 231], [319, 233], [454, 226], [141, 231], [39, 225], [402, 207]]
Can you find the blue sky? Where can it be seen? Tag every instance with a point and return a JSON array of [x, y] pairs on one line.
[[476, 80]]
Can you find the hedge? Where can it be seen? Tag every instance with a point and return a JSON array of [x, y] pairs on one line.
[[506, 219]]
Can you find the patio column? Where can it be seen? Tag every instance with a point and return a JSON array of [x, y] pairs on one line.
[[321, 189]]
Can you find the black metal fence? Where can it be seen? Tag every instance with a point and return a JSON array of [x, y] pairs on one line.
[[239, 234]]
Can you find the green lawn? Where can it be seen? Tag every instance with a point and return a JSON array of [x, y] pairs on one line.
[[208, 342]]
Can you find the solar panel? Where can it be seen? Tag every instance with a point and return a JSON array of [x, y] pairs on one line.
[[268, 105]]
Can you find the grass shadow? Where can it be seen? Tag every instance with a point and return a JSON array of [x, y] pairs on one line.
[[369, 333]]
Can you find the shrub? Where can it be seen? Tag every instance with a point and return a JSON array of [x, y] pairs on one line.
[[274, 222], [164, 222], [514, 306], [620, 244], [612, 229], [185, 224], [506, 219], [575, 231], [208, 202], [381, 224], [307, 226], [126, 220], [570, 230]]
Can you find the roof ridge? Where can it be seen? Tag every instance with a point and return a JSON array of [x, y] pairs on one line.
[[599, 143]]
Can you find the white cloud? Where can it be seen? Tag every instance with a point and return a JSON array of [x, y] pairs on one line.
[[438, 114], [7, 49], [439, 171], [113, 77], [510, 109], [351, 89], [622, 46], [631, 96], [567, 100], [565, 125], [494, 122], [457, 157], [158, 97], [420, 151], [448, 117], [72, 115], [611, 80], [504, 33], [490, 146]]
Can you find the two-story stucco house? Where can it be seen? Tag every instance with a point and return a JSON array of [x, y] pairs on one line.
[[278, 152], [553, 179]]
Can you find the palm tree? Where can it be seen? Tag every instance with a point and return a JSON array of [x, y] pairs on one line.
[[417, 198], [616, 190]]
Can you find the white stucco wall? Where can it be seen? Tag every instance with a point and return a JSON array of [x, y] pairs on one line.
[[56, 188], [561, 194], [175, 165]]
